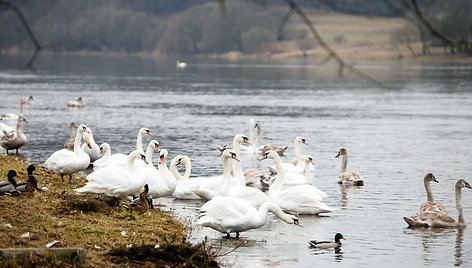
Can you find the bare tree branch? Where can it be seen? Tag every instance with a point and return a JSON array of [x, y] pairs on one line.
[[331, 53], [286, 17]]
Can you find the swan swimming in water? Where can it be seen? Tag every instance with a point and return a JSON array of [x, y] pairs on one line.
[[346, 177], [433, 214], [79, 103], [234, 215], [299, 199], [65, 162]]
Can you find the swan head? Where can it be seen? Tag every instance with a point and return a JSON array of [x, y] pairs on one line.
[[163, 155], [182, 159], [86, 136], [104, 146], [22, 119], [143, 157], [155, 144], [144, 130], [228, 154], [240, 138], [270, 154], [82, 128], [300, 139], [30, 169], [462, 183], [430, 177], [309, 159], [341, 152]]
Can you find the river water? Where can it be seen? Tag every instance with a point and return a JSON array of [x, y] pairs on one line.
[[421, 123]]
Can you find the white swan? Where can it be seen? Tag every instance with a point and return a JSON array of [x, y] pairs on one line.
[[228, 214], [185, 184], [79, 103], [91, 148], [292, 167], [181, 64], [120, 159], [228, 188], [65, 162], [104, 160], [252, 148], [69, 145], [300, 199], [439, 218], [12, 118], [162, 183], [348, 178], [15, 139], [115, 180], [295, 178], [257, 179]]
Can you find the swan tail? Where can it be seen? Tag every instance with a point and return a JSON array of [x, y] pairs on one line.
[[412, 223]]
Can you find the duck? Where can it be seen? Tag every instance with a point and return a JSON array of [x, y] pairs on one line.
[[91, 148], [69, 145], [227, 215], [437, 216], [298, 199], [9, 186], [116, 180], [142, 204], [336, 244], [65, 162], [79, 103], [348, 177], [185, 184], [29, 185], [120, 159], [294, 166], [15, 139]]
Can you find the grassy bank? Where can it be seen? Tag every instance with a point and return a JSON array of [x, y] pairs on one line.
[[97, 223]]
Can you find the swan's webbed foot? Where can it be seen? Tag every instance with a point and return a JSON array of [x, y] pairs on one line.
[[227, 236]]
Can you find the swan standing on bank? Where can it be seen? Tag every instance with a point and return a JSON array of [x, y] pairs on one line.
[[120, 159], [162, 183], [92, 148], [79, 103], [116, 180], [299, 199], [234, 215], [348, 178], [185, 185], [15, 139], [436, 216], [65, 162]]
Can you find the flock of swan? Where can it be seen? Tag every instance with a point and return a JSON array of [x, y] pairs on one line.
[[236, 200]]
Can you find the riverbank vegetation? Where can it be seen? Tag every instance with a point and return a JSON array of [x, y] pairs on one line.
[[94, 222]]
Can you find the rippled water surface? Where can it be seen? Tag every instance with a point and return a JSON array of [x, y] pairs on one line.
[[422, 123]]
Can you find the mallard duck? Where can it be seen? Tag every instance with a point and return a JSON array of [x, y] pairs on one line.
[[9, 186], [328, 244], [142, 204], [31, 183]]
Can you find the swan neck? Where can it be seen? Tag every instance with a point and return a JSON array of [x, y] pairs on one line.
[[139, 141], [279, 181], [225, 183], [130, 163], [21, 108], [107, 154], [307, 173], [71, 131], [258, 137], [344, 163], [274, 208], [429, 192], [460, 211], [238, 173], [149, 153], [251, 132], [298, 153], [188, 170], [78, 139], [174, 170]]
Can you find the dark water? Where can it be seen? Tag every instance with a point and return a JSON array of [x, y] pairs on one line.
[[422, 123]]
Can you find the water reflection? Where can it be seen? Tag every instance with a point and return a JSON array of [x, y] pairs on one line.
[[348, 189], [458, 251], [338, 253]]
